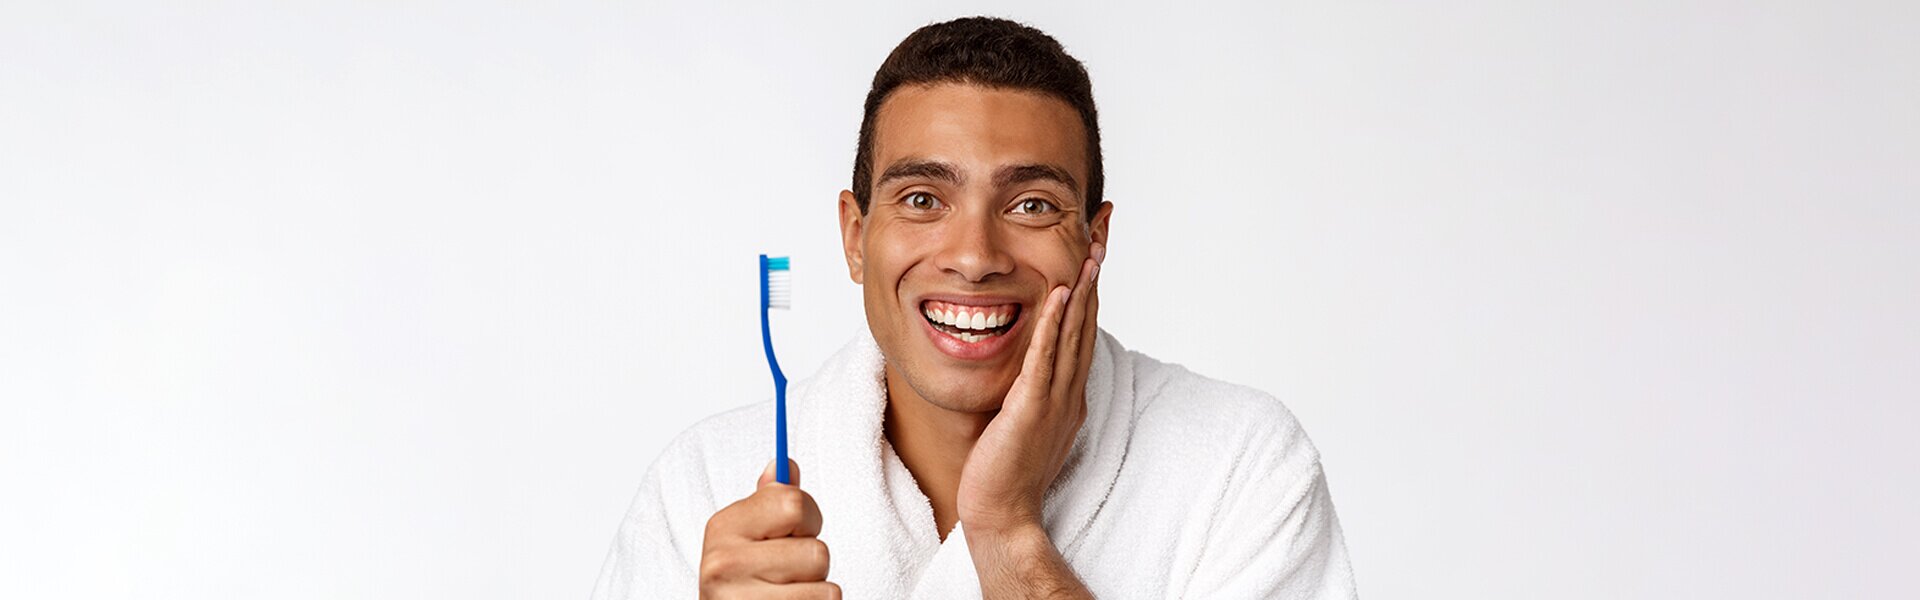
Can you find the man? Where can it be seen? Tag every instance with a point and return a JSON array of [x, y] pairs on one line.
[[987, 439]]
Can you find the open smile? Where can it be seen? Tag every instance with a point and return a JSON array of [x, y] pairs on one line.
[[970, 329]]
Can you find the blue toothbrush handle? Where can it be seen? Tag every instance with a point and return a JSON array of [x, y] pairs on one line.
[[781, 472]]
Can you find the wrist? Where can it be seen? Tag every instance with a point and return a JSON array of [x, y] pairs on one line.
[[1019, 560], [1004, 550], [1018, 532], [1005, 519]]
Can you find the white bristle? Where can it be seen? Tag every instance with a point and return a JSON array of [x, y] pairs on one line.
[[780, 289]]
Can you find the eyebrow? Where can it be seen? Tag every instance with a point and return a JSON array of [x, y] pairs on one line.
[[1017, 174], [920, 168]]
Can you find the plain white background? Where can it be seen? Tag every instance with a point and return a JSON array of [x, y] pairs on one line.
[[398, 300]]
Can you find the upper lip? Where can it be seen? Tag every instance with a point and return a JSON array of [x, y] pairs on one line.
[[967, 300]]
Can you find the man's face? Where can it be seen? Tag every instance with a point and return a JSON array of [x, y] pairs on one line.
[[977, 211]]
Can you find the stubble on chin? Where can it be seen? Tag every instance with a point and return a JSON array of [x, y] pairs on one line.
[[958, 396]]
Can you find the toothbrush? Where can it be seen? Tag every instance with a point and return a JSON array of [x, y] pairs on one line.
[[776, 292]]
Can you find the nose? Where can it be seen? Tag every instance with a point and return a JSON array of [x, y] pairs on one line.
[[971, 248]]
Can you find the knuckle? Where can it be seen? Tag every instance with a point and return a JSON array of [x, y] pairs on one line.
[[714, 566], [817, 553], [792, 506]]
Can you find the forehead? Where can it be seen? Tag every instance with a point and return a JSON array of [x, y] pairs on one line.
[[978, 127]]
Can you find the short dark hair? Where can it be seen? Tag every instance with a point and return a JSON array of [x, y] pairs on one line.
[[989, 52]]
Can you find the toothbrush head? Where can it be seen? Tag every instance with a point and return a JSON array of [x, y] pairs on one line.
[[776, 282]]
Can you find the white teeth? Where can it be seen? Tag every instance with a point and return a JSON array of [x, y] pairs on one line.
[[977, 320]]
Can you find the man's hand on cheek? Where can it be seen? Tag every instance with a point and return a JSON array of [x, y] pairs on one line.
[[1004, 483]]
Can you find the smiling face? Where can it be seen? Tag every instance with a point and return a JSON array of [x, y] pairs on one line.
[[978, 209]]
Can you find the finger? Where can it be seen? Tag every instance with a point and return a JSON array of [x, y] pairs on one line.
[[1036, 372], [774, 511], [1091, 333], [810, 518], [726, 524], [818, 590], [783, 511], [1090, 325], [1072, 332], [781, 560], [766, 476]]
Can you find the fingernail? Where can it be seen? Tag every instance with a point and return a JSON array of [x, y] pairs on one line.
[[1096, 271], [1099, 253]]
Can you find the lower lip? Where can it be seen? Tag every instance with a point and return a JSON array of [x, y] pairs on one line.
[[981, 350]]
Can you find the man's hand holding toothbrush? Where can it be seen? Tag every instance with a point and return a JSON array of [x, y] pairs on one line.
[[766, 545]]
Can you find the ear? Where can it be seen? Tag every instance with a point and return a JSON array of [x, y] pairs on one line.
[[1099, 226], [852, 232]]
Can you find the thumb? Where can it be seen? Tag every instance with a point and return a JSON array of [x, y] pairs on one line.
[[766, 475]]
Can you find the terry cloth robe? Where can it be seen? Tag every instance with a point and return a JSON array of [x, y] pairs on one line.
[[1177, 486]]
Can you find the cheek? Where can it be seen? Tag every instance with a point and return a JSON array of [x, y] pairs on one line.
[[1057, 259], [880, 253], [894, 250]]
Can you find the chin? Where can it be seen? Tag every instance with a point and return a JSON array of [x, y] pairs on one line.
[[962, 394], [968, 402]]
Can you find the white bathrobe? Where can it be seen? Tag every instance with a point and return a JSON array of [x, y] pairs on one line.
[[1177, 486]]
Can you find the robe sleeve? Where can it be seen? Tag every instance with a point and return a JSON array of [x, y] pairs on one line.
[[656, 552], [1276, 535]]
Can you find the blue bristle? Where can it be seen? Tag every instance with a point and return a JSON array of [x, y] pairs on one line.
[[777, 263]]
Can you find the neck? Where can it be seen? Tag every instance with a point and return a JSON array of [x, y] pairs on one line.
[[933, 443]]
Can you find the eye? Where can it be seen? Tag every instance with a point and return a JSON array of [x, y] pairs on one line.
[[922, 201], [1034, 206]]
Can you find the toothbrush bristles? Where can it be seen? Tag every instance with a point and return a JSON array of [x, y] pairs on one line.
[[779, 289]]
